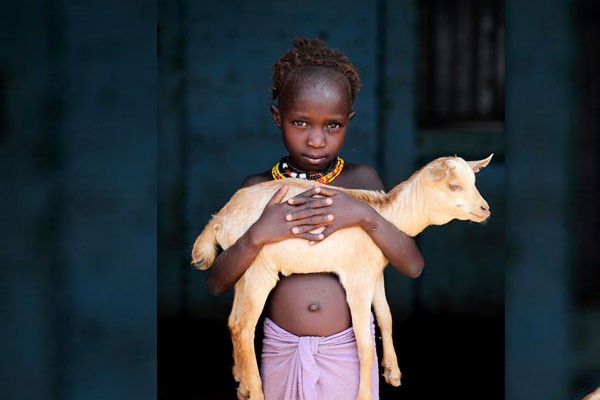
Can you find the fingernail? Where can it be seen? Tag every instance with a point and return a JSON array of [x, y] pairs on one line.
[[288, 217], [321, 236], [329, 201], [295, 230], [330, 217]]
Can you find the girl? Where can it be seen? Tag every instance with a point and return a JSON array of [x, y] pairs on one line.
[[309, 350]]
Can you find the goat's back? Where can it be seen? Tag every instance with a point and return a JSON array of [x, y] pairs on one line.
[[247, 205]]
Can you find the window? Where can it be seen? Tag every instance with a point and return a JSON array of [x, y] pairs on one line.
[[461, 65]]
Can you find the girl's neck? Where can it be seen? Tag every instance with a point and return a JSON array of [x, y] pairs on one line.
[[285, 169]]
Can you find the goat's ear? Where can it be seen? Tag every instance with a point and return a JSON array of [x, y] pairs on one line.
[[477, 165], [438, 172]]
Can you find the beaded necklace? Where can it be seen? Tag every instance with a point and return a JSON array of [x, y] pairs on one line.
[[283, 169]]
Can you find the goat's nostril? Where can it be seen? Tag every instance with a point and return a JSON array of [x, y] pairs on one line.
[[485, 208]]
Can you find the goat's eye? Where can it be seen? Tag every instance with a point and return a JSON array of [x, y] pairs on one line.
[[454, 188]]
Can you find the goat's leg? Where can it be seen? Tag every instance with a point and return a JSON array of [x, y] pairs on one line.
[[359, 296], [389, 360], [250, 301], [231, 323], [239, 299]]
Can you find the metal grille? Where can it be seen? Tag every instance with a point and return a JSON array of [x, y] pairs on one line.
[[461, 64], [3, 107], [587, 216]]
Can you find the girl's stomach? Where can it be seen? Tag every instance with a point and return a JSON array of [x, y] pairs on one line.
[[309, 305]]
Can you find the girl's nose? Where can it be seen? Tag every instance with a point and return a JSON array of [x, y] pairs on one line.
[[316, 138]]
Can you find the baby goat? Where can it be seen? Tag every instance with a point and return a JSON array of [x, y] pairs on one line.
[[441, 191]]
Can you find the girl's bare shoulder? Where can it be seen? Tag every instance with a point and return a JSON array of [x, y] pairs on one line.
[[359, 176], [256, 178]]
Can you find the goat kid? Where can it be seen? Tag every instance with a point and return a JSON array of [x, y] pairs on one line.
[[439, 192]]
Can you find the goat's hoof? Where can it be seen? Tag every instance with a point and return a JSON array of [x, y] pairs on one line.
[[243, 393], [392, 376]]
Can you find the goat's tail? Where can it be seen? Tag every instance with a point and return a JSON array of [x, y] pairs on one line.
[[205, 247]]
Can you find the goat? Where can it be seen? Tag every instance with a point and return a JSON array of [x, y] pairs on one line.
[[439, 192], [595, 395]]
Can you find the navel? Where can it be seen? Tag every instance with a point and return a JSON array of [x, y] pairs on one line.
[[314, 306]]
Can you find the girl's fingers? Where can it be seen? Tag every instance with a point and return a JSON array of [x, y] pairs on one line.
[[279, 195], [309, 217], [301, 198], [324, 191], [304, 213], [314, 238], [315, 227], [312, 203], [308, 195]]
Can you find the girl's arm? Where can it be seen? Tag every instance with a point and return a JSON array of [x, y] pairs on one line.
[[271, 227], [399, 248], [231, 264]]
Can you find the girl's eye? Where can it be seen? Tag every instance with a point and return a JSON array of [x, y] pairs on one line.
[[299, 123], [333, 125], [454, 188]]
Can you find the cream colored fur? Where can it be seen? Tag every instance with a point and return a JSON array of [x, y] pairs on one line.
[[441, 191], [595, 395]]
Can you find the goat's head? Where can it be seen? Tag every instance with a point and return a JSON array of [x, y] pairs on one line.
[[453, 194]]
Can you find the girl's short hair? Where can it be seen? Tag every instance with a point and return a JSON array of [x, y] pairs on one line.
[[312, 53]]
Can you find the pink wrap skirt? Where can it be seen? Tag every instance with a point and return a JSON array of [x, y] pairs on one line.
[[312, 367]]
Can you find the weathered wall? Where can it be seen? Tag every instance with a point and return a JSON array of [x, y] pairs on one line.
[[78, 166], [221, 131]]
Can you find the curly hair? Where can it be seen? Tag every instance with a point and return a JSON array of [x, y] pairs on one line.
[[312, 53]]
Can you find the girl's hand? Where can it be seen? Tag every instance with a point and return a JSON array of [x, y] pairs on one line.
[[340, 210], [291, 219]]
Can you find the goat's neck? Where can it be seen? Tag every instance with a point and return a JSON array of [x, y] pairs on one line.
[[407, 207]]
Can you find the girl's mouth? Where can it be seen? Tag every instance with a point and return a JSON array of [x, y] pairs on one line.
[[314, 160]]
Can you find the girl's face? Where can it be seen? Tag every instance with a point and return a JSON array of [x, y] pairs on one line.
[[313, 115]]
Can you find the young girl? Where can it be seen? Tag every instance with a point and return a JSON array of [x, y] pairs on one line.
[[309, 351]]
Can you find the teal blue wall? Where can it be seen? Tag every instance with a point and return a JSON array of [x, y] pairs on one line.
[[542, 105], [112, 159], [78, 171], [215, 129]]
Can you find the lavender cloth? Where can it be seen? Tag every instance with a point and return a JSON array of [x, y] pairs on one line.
[[312, 367]]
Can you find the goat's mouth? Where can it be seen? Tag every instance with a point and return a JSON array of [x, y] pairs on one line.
[[479, 217]]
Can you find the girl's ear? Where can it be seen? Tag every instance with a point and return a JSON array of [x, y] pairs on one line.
[[276, 115]]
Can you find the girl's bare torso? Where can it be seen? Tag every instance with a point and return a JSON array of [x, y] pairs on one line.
[[309, 305], [312, 304]]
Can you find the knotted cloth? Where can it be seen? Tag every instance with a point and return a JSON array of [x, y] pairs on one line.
[[312, 367]]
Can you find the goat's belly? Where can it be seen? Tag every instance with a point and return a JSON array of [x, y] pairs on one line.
[[341, 253]]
